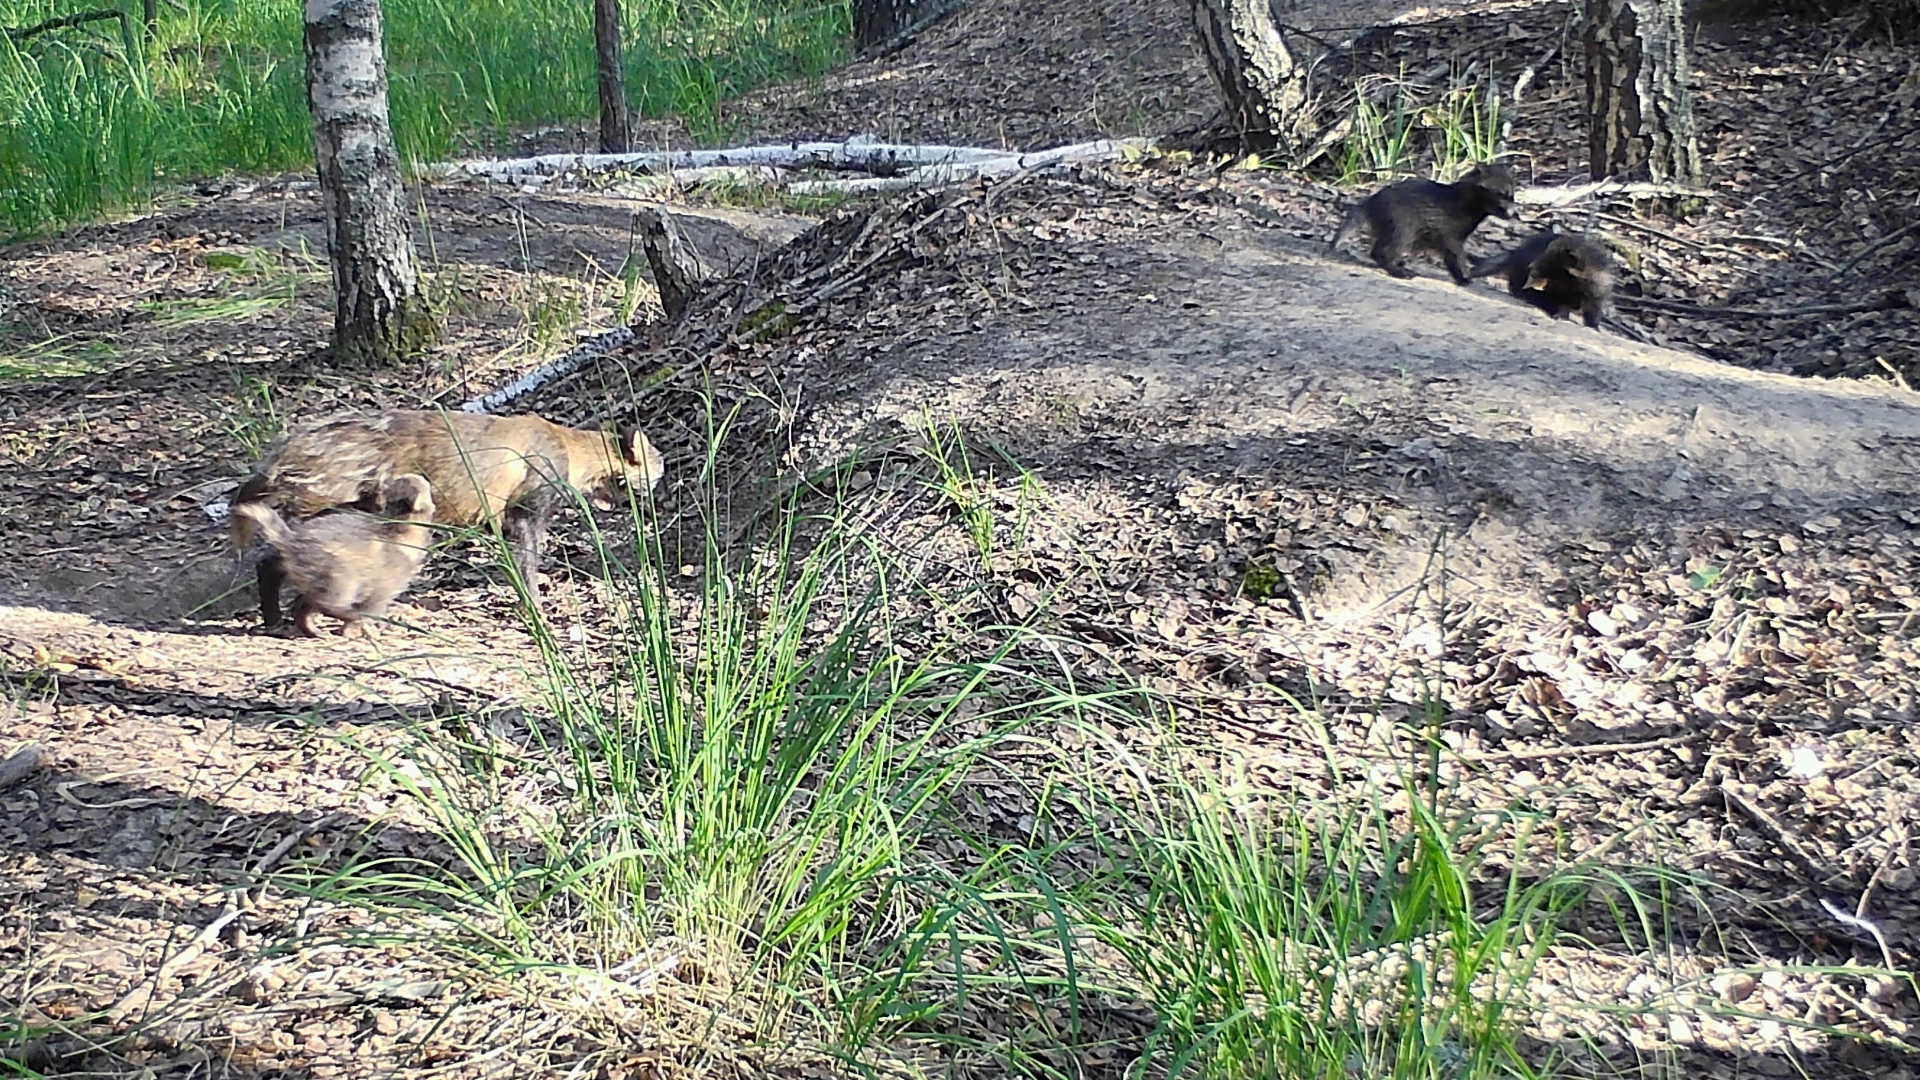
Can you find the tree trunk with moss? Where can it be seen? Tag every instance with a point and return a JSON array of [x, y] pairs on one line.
[[379, 315], [1639, 107]]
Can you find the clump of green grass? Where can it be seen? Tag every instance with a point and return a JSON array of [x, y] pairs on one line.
[[757, 779], [1389, 132], [87, 125], [60, 356], [1468, 129], [1380, 142], [1274, 941], [255, 420]]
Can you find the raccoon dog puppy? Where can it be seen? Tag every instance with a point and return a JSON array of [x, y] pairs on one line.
[[1559, 273], [346, 562], [1425, 215]]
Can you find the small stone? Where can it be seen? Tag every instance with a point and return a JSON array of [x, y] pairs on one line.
[[1733, 986], [1883, 990]]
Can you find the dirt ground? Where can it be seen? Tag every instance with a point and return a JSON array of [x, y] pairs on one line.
[[1668, 600]]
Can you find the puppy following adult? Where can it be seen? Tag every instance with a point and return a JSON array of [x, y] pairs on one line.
[[346, 562], [502, 472], [1559, 273], [1417, 215]]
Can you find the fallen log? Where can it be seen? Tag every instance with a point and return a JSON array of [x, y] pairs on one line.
[[664, 183], [852, 154], [1006, 165], [1563, 196]]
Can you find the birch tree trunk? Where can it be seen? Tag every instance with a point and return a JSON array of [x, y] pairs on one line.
[[1265, 90], [378, 315], [1639, 107], [613, 78]]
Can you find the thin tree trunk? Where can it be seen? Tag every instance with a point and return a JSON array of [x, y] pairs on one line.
[[1639, 107], [613, 79], [150, 11], [877, 21], [1265, 90], [378, 313]]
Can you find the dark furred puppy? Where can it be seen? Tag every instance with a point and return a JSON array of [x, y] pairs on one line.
[[505, 472], [346, 562], [1422, 214], [1558, 273]]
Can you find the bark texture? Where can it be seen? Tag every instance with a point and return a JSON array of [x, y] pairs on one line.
[[1639, 107], [1264, 88], [876, 22], [378, 313], [676, 266], [613, 78]]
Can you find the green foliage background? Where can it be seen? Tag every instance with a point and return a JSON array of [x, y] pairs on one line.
[[93, 118]]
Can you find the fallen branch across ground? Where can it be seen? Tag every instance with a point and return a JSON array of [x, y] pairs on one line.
[[1891, 300], [1875, 246], [659, 185], [891, 167], [47, 1053], [950, 173], [1563, 196], [18, 34], [208, 934], [852, 154]]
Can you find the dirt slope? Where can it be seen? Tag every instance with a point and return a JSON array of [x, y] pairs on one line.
[[1630, 580]]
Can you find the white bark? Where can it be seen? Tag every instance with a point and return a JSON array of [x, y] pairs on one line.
[[851, 154], [1573, 193], [574, 359], [1005, 165]]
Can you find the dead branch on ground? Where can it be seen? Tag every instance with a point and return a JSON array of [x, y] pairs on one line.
[[1891, 300]]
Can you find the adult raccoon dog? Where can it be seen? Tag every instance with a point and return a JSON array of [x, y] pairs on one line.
[[1425, 215], [504, 472], [346, 562]]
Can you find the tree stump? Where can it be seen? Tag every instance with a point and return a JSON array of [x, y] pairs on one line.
[[677, 268]]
